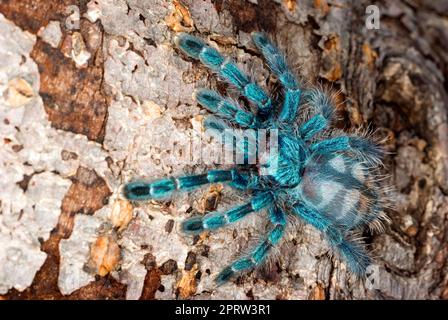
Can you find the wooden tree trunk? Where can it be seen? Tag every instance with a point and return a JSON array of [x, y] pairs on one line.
[[106, 90]]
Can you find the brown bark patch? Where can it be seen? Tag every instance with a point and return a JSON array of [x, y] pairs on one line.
[[370, 55], [88, 193], [187, 284], [73, 97], [101, 289], [323, 6], [31, 15], [45, 283], [151, 285], [104, 255], [249, 17], [332, 68], [291, 5], [121, 214], [180, 19], [211, 200], [318, 293]]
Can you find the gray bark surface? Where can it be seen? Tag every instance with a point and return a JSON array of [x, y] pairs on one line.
[[73, 158]]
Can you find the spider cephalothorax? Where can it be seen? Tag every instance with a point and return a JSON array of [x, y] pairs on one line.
[[324, 177]]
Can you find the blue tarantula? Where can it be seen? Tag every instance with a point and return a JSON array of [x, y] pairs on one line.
[[324, 177]]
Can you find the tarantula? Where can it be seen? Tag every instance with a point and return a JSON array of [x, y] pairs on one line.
[[322, 176]]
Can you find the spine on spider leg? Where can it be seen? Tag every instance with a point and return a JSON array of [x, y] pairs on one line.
[[260, 252], [225, 107], [277, 63], [163, 188], [226, 68], [217, 220]]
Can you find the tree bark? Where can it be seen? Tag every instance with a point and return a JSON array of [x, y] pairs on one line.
[[113, 91]]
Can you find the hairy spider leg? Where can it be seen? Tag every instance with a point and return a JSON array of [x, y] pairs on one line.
[[258, 254], [361, 147], [226, 108], [246, 181], [323, 109], [163, 188], [353, 253], [215, 220], [277, 63], [226, 68]]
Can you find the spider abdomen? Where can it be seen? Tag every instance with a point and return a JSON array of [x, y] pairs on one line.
[[340, 188]]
